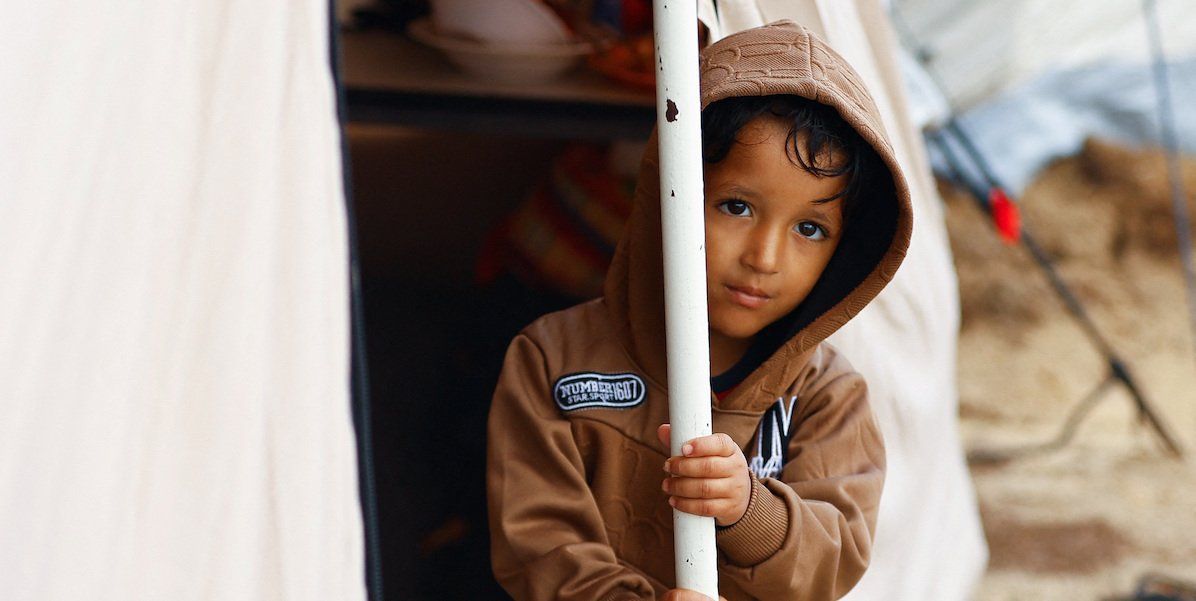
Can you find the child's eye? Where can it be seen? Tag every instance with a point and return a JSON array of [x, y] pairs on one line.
[[811, 230], [736, 208]]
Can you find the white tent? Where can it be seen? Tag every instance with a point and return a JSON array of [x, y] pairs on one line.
[[175, 416]]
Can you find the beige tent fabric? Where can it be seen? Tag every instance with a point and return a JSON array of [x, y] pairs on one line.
[[929, 543], [174, 361]]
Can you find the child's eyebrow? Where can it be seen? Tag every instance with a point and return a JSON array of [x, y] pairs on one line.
[[740, 191], [825, 208]]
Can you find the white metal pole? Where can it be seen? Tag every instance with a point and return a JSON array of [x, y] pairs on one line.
[[678, 117]]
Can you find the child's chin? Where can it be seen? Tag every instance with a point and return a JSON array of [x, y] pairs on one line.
[[735, 330]]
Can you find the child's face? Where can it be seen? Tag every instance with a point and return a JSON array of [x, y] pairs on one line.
[[767, 241]]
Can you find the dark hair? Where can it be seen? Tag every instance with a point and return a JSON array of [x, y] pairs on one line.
[[826, 133]]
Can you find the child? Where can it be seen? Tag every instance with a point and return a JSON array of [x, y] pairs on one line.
[[807, 218]]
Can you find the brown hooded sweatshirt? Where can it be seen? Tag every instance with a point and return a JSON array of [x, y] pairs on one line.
[[574, 469]]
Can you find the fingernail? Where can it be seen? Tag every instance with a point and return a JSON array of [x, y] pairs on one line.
[[687, 450], [666, 466], [673, 501]]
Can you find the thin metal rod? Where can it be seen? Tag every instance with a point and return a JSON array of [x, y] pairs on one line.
[[1179, 204], [1070, 300], [979, 193], [679, 122], [1120, 371], [1117, 366]]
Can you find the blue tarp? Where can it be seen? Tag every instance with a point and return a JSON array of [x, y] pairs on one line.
[[1023, 130]]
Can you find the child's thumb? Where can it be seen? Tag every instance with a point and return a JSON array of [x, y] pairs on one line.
[[662, 433]]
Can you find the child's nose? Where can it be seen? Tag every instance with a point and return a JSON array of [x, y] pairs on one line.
[[763, 250]]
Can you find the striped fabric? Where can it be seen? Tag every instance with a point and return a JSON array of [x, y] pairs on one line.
[[562, 237]]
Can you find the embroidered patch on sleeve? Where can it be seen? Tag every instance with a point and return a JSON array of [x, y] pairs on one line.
[[588, 390]]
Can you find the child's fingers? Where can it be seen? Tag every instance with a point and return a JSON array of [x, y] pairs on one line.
[[704, 467], [702, 488], [662, 433], [703, 507], [718, 444]]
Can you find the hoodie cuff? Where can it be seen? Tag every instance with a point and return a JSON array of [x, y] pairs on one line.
[[761, 531]]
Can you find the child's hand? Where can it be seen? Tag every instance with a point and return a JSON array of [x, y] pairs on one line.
[[681, 594], [709, 478]]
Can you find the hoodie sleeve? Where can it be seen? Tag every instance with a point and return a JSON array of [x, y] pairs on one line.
[[547, 538], [808, 533]]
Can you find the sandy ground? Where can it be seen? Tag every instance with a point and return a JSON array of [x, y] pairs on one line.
[[1088, 520]]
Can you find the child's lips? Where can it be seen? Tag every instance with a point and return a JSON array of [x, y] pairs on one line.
[[747, 296]]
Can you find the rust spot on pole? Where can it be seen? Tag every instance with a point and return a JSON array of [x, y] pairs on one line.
[[670, 112]]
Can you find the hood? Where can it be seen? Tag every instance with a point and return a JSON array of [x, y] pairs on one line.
[[780, 58]]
